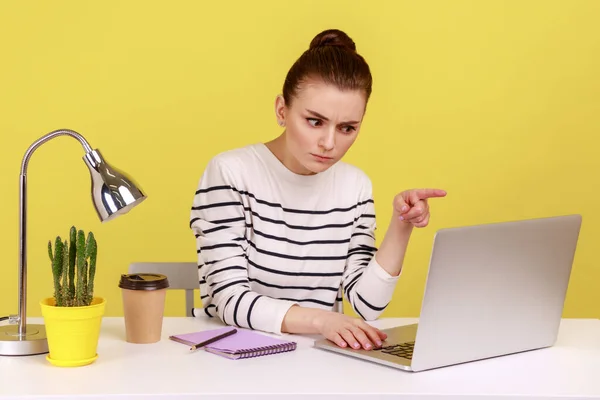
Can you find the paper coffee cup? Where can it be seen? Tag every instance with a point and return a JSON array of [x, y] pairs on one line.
[[143, 306]]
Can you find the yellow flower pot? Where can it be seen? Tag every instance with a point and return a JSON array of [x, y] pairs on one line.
[[72, 332]]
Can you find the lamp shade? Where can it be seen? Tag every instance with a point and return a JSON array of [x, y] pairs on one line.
[[113, 192]]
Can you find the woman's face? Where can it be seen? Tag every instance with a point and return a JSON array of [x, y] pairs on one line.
[[320, 126]]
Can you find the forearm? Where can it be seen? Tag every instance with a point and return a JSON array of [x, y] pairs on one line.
[[303, 320], [390, 255]]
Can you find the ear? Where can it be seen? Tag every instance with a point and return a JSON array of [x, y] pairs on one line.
[[280, 110]]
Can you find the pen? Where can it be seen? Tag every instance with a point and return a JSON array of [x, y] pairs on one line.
[[214, 339]]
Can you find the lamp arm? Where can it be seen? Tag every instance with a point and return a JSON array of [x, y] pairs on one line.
[[47, 137], [23, 218]]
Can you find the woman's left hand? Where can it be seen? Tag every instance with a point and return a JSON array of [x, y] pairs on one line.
[[411, 206]]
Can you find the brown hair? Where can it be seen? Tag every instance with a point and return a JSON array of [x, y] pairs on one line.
[[332, 58]]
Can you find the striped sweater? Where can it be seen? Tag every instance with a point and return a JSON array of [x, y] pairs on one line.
[[268, 238]]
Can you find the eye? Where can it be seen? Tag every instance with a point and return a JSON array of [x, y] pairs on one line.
[[314, 121], [348, 129]]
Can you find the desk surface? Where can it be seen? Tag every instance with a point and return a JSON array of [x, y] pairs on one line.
[[168, 370]]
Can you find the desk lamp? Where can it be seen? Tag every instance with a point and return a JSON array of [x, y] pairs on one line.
[[113, 194]]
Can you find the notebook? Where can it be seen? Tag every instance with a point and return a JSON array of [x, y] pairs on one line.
[[245, 343]]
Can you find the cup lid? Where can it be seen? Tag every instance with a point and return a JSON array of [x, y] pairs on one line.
[[143, 281]]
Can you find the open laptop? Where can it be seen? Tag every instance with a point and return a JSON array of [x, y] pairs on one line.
[[491, 290]]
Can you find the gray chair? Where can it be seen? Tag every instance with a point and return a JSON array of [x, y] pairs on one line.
[[181, 276]]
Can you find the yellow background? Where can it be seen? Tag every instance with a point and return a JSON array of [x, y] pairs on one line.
[[498, 102]]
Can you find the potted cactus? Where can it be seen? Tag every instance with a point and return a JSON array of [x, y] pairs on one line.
[[73, 315]]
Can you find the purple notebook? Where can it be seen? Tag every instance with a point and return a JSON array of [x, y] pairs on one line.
[[244, 343]]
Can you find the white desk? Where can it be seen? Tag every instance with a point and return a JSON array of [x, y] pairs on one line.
[[167, 370]]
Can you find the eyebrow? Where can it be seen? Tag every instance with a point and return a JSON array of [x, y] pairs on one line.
[[316, 114]]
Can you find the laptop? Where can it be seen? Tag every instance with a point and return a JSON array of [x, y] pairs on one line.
[[491, 290]]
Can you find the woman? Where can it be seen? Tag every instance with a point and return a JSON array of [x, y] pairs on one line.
[[285, 228]]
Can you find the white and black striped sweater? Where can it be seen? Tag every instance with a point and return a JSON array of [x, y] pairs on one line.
[[268, 238]]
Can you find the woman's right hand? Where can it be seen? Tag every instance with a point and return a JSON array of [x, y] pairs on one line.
[[346, 331]]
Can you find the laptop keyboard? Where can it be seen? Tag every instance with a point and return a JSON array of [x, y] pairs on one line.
[[404, 350]]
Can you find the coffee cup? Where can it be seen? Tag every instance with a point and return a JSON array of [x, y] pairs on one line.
[[143, 306]]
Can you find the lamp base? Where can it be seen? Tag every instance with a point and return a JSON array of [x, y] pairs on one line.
[[34, 342]]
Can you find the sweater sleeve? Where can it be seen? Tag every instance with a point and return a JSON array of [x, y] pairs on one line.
[[218, 221], [367, 286]]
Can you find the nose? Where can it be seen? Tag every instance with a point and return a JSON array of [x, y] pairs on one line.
[[327, 140]]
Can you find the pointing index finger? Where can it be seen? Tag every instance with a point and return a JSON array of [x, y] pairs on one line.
[[429, 193]]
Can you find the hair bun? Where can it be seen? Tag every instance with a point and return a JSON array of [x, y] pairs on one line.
[[332, 37]]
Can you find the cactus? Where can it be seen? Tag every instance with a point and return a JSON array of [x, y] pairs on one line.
[[57, 263], [50, 250], [80, 268], [91, 252], [65, 273], [72, 257], [73, 265]]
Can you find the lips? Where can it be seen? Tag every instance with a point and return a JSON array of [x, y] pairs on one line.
[[321, 158]]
